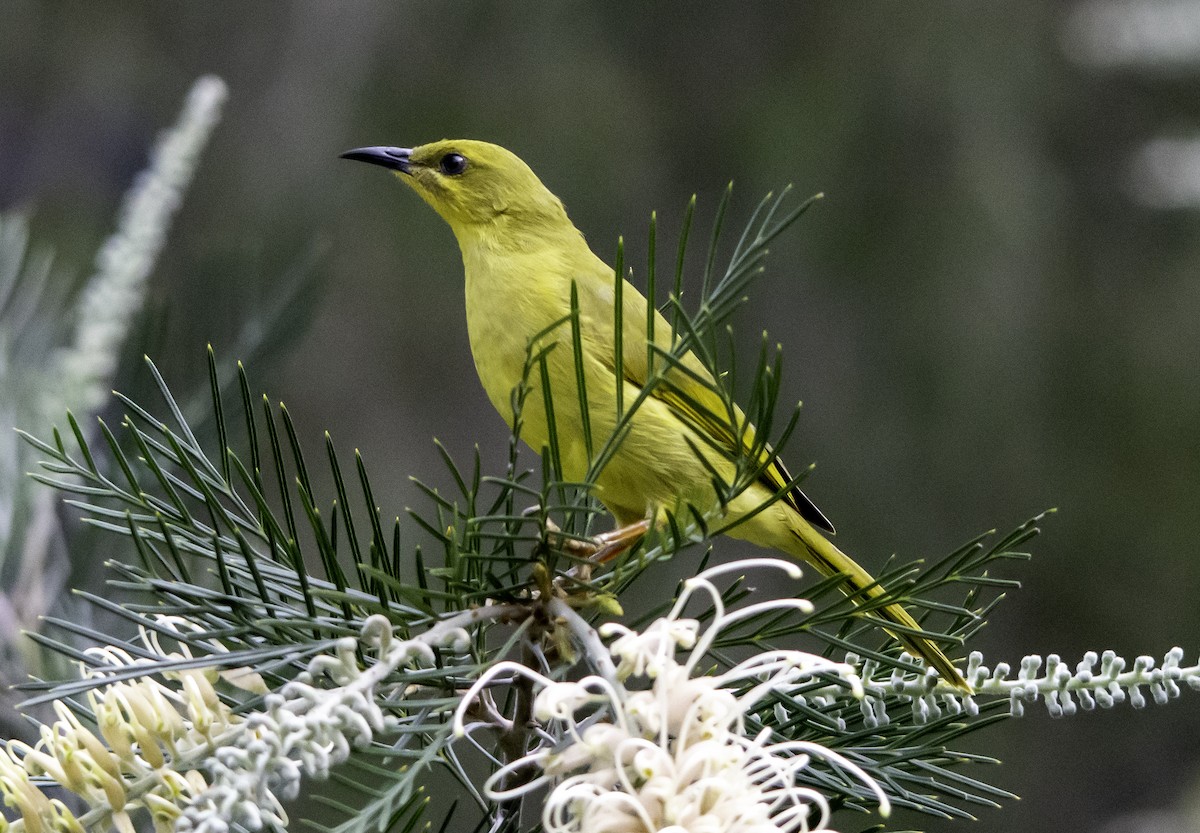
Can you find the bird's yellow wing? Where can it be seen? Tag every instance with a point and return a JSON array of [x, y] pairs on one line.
[[688, 390], [702, 410]]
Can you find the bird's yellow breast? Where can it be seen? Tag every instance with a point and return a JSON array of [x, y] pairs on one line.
[[511, 296]]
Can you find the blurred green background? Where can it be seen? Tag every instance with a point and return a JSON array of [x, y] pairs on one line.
[[995, 310]]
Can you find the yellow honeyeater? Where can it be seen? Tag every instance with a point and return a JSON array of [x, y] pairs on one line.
[[522, 254]]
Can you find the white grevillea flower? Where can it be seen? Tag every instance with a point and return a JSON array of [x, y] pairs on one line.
[[1063, 690], [659, 747], [306, 728], [114, 295]]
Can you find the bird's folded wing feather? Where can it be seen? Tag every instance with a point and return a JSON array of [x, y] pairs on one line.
[[689, 390]]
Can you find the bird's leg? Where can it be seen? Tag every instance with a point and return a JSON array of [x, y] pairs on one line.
[[611, 544], [599, 549]]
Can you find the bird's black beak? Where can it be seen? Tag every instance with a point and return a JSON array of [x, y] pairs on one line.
[[396, 159]]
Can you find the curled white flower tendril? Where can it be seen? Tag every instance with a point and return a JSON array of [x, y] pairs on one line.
[[675, 755]]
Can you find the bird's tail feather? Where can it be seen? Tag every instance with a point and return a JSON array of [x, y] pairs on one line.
[[829, 560]]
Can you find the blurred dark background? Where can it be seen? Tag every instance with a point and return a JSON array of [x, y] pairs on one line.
[[996, 309]]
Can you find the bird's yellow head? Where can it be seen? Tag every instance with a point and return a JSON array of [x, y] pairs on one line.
[[473, 185]]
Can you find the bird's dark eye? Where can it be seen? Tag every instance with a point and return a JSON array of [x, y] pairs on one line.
[[453, 164]]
